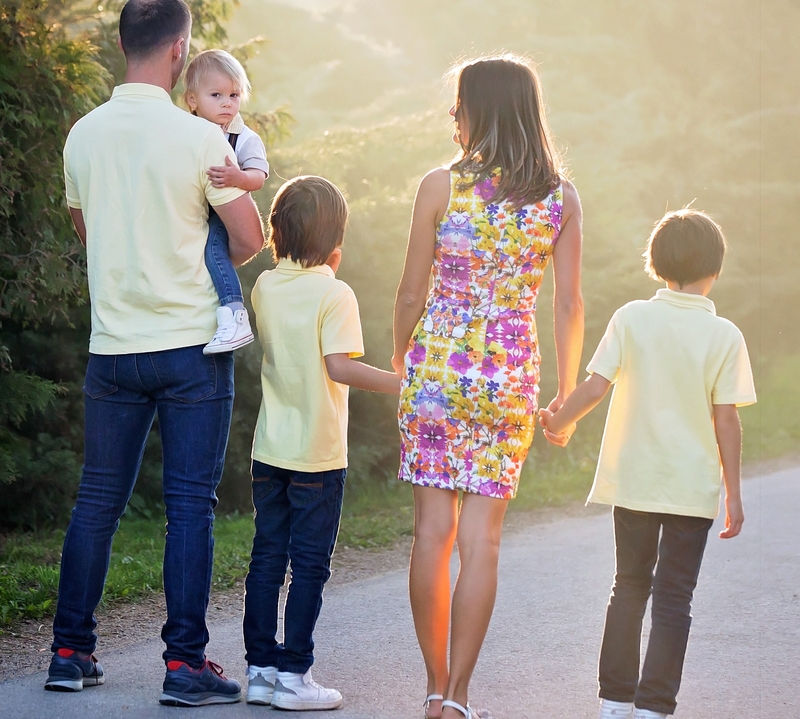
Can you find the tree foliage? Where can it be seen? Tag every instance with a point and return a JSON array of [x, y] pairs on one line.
[[58, 60]]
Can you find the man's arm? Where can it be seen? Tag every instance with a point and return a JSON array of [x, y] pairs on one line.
[[80, 225], [243, 223]]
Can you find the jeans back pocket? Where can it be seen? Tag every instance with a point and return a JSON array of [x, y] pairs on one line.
[[101, 376]]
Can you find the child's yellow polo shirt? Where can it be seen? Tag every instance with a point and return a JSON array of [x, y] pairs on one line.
[[671, 359], [136, 168], [302, 315]]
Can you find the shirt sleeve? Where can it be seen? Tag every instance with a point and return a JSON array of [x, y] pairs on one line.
[[213, 153], [607, 358], [734, 384], [251, 153], [73, 198], [341, 325]]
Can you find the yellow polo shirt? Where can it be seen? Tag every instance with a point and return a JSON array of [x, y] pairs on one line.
[[671, 359], [303, 315], [136, 168]]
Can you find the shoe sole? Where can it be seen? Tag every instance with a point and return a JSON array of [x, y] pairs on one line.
[[198, 700], [72, 685], [228, 347], [295, 704]]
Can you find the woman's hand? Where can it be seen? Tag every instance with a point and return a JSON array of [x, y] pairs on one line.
[[559, 439], [397, 365]]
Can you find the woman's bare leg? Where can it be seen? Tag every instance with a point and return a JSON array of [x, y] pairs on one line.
[[480, 526], [435, 523]]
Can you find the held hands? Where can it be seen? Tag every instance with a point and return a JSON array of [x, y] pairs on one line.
[[734, 517], [228, 175], [554, 432]]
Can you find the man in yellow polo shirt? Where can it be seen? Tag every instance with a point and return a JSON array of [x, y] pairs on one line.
[[138, 192]]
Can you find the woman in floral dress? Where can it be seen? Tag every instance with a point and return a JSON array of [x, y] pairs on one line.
[[484, 229]]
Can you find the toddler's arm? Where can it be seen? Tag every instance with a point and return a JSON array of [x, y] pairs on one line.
[[560, 425], [729, 440], [345, 370], [229, 175]]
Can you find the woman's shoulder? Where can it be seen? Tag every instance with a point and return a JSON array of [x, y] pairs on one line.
[[437, 178], [570, 201], [433, 194]]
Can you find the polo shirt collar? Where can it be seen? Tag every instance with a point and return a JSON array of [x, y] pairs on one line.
[[141, 89], [286, 265], [684, 299], [236, 125]]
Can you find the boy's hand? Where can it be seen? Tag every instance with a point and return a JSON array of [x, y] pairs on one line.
[[559, 439], [228, 175], [734, 517]]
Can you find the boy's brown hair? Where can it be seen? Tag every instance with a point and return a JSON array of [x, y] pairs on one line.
[[307, 220], [685, 246]]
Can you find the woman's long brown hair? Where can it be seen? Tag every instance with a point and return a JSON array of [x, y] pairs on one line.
[[501, 99]]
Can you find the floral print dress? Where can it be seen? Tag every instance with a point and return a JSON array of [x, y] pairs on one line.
[[471, 379]]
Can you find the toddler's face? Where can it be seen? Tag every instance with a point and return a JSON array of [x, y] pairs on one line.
[[217, 99]]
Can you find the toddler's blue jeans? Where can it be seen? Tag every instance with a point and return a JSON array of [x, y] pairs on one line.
[[193, 395], [668, 568], [297, 520], [218, 261]]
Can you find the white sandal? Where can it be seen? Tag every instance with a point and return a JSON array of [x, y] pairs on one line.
[[428, 699], [467, 712]]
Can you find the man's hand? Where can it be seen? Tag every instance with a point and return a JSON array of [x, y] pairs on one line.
[[228, 175]]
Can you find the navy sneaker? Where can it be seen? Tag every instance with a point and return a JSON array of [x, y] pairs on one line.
[[71, 672], [187, 687]]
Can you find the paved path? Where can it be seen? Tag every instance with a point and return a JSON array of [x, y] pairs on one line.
[[539, 659]]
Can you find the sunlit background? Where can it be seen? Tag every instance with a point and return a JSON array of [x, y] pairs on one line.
[[654, 105]]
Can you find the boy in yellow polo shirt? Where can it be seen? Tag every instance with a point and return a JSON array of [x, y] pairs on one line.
[[309, 328], [680, 372]]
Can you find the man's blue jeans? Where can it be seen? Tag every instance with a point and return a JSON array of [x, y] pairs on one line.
[[676, 558], [218, 262], [297, 520], [193, 396]]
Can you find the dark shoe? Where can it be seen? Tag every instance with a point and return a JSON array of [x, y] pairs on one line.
[[71, 672], [187, 687]]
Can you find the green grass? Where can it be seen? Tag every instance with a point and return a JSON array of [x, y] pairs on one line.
[[375, 514]]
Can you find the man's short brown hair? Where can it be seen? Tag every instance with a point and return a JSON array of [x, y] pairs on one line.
[[307, 220], [685, 246]]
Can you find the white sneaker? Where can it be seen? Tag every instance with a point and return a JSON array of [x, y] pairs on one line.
[[260, 684], [300, 692], [615, 710], [647, 714], [233, 331]]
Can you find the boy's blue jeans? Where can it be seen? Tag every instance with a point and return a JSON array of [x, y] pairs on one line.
[[193, 396], [218, 261], [297, 520], [676, 558]]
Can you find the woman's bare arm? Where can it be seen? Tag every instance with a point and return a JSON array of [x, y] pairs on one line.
[[429, 208], [567, 298]]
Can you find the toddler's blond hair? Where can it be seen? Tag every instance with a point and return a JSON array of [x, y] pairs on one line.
[[220, 61]]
